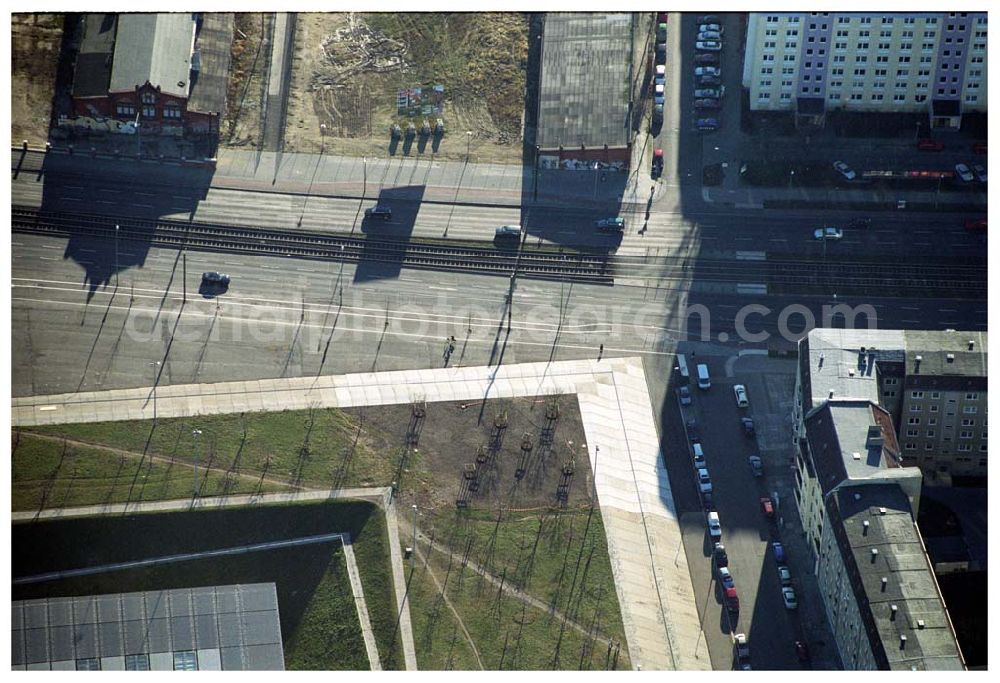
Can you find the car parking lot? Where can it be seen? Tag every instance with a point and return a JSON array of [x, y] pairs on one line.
[[750, 512]]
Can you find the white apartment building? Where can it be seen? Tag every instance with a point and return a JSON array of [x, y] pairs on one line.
[[811, 63]]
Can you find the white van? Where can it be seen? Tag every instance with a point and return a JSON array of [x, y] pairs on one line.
[[704, 381], [699, 455], [714, 526]]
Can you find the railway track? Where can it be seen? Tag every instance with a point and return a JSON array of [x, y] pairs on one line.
[[268, 241], [780, 273]]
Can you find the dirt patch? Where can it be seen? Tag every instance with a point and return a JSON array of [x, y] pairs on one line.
[[245, 87], [518, 454], [349, 67], [35, 43]]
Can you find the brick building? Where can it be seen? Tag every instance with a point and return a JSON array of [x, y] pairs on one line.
[[138, 70]]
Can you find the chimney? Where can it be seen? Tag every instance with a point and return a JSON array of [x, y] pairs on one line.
[[874, 554], [902, 641], [885, 582], [875, 437], [920, 623], [892, 612], [865, 525], [950, 358], [831, 393], [972, 344]]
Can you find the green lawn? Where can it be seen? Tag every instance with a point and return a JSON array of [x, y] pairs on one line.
[[569, 570], [322, 447], [47, 473]]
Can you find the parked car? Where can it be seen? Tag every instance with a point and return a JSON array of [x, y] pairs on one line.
[[706, 59], [707, 104], [779, 552], [709, 35], [714, 525], [379, 211], [979, 148], [784, 575], [507, 233], [980, 172], [928, 145], [710, 27], [748, 428], [732, 600], [616, 224], [661, 75], [704, 480], [661, 32], [828, 233], [657, 163], [707, 71], [742, 646], [726, 578], [802, 651], [657, 114], [699, 456], [741, 396], [707, 124], [661, 57], [756, 465], [685, 395], [711, 93], [788, 596], [659, 94], [719, 553], [707, 81], [708, 45], [767, 507], [975, 225], [963, 172], [707, 502], [214, 278], [694, 434], [844, 170]]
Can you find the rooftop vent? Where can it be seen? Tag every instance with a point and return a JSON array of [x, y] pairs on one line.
[[892, 612], [831, 393], [875, 437], [881, 511], [865, 526], [821, 357], [874, 554], [885, 582], [918, 358], [902, 641], [972, 344], [950, 358], [850, 372], [920, 623], [857, 456]]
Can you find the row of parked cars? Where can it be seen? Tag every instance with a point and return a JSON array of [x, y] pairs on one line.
[[660, 65], [720, 557], [963, 172], [708, 88]]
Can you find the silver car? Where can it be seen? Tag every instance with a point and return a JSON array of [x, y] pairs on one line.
[[707, 71], [964, 173], [709, 35], [708, 45], [708, 93]]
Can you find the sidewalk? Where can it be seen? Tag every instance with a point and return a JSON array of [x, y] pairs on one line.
[[732, 194], [659, 614]]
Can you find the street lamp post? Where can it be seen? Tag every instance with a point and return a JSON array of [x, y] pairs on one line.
[[196, 433], [116, 255], [154, 365], [468, 144], [413, 555]]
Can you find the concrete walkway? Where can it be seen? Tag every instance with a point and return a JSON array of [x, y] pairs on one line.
[[653, 583]]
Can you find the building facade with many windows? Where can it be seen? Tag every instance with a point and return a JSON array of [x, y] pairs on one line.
[[811, 63]]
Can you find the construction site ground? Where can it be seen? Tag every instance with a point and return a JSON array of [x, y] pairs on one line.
[[348, 67], [34, 58]]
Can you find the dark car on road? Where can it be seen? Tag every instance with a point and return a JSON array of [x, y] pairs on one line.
[[756, 465], [379, 211], [707, 124], [779, 552], [657, 169], [802, 651], [748, 429], [215, 279], [685, 395], [707, 59], [707, 81]]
